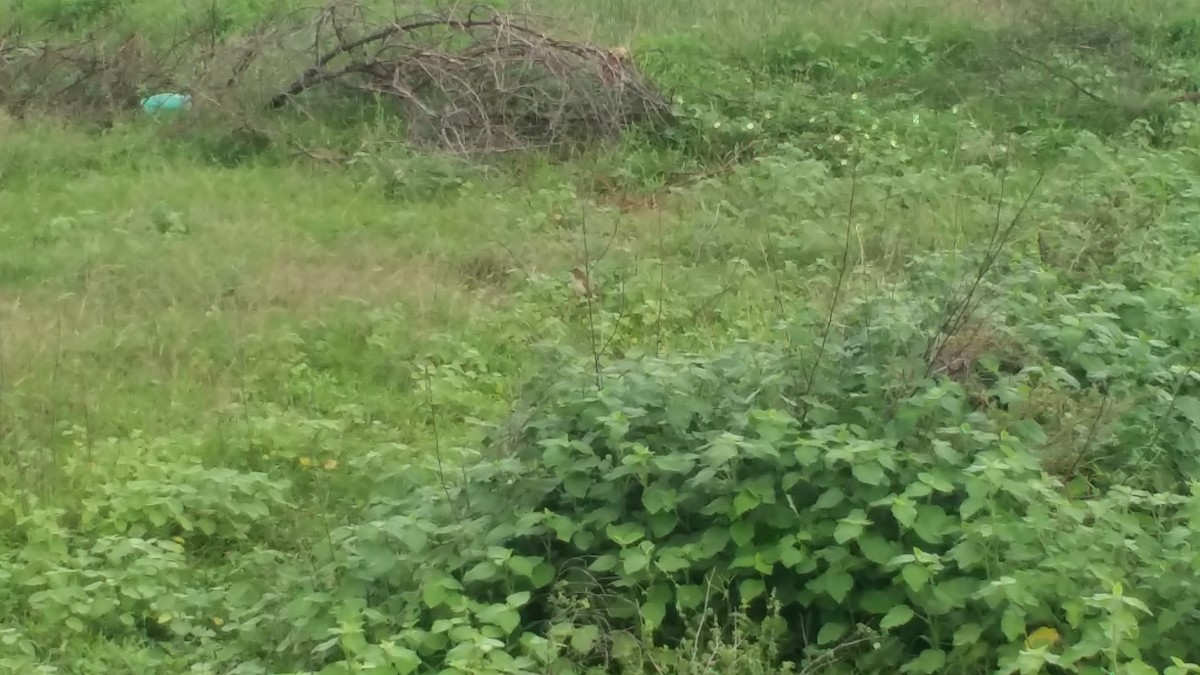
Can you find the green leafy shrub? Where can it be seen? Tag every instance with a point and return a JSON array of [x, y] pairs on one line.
[[174, 500], [949, 537]]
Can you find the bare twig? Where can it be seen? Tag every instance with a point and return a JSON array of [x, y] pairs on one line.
[[837, 292], [1060, 75]]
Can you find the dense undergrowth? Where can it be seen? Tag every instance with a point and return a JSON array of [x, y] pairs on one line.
[[881, 357]]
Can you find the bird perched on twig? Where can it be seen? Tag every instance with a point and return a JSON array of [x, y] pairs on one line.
[[580, 283]]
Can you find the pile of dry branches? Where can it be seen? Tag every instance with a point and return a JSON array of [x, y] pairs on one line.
[[474, 81]]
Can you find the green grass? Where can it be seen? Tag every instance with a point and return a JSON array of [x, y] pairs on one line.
[[247, 395]]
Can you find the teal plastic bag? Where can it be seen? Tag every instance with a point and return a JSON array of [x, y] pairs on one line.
[[166, 103]]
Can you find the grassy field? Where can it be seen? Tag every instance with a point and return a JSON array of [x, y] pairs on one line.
[[885, 357]]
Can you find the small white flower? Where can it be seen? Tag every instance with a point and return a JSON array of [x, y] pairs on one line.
[[837, 138], [893, 142], [854, 96], [845, 162], [916, 119], [768, 115], [716, 125], [867, 137], [874, 126], [954, 110], [750, 126]]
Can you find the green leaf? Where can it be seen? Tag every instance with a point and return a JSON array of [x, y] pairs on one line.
[[936, 482], [720, 451], [751, 589], [846, 531], [519, 599], [829, 499], [881, 601], [564, 528], [791, 556], [660, 593], [930, 661], [875, 548], [954, 593], [967, 634], [714, 541], [403, 659], [896, 617], [543, 575], [583, 639], [414, 539], [971, 505], [484, 571], [870, 473], [904, 511], [836, 584], [523, 565], [1012, 624], [625, 534], [930, 523], [830, 633], [916, 576], [577, 484], [653, 613], [742, 532], [604, 563], [807, 454], [744, 501], [433, 594], [671, 563], [662, 524], [675, 463], [635, 561], [689, 596], [1189, 407], [502, 616], [657, 499]]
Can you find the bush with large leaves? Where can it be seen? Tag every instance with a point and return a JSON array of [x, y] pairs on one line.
[[679, 472]]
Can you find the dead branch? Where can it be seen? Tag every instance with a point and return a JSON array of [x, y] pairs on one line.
[[485, 83], [474, 82]]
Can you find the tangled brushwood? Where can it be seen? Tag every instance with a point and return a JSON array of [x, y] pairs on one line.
[[474, 82], [487, 82]]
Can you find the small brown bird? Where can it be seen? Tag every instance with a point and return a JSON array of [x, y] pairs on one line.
[[580, 284]]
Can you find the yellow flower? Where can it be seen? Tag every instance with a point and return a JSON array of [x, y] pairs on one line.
[[330, 464], [164, 618], [177, 540], [306, 461], [218, 621]]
